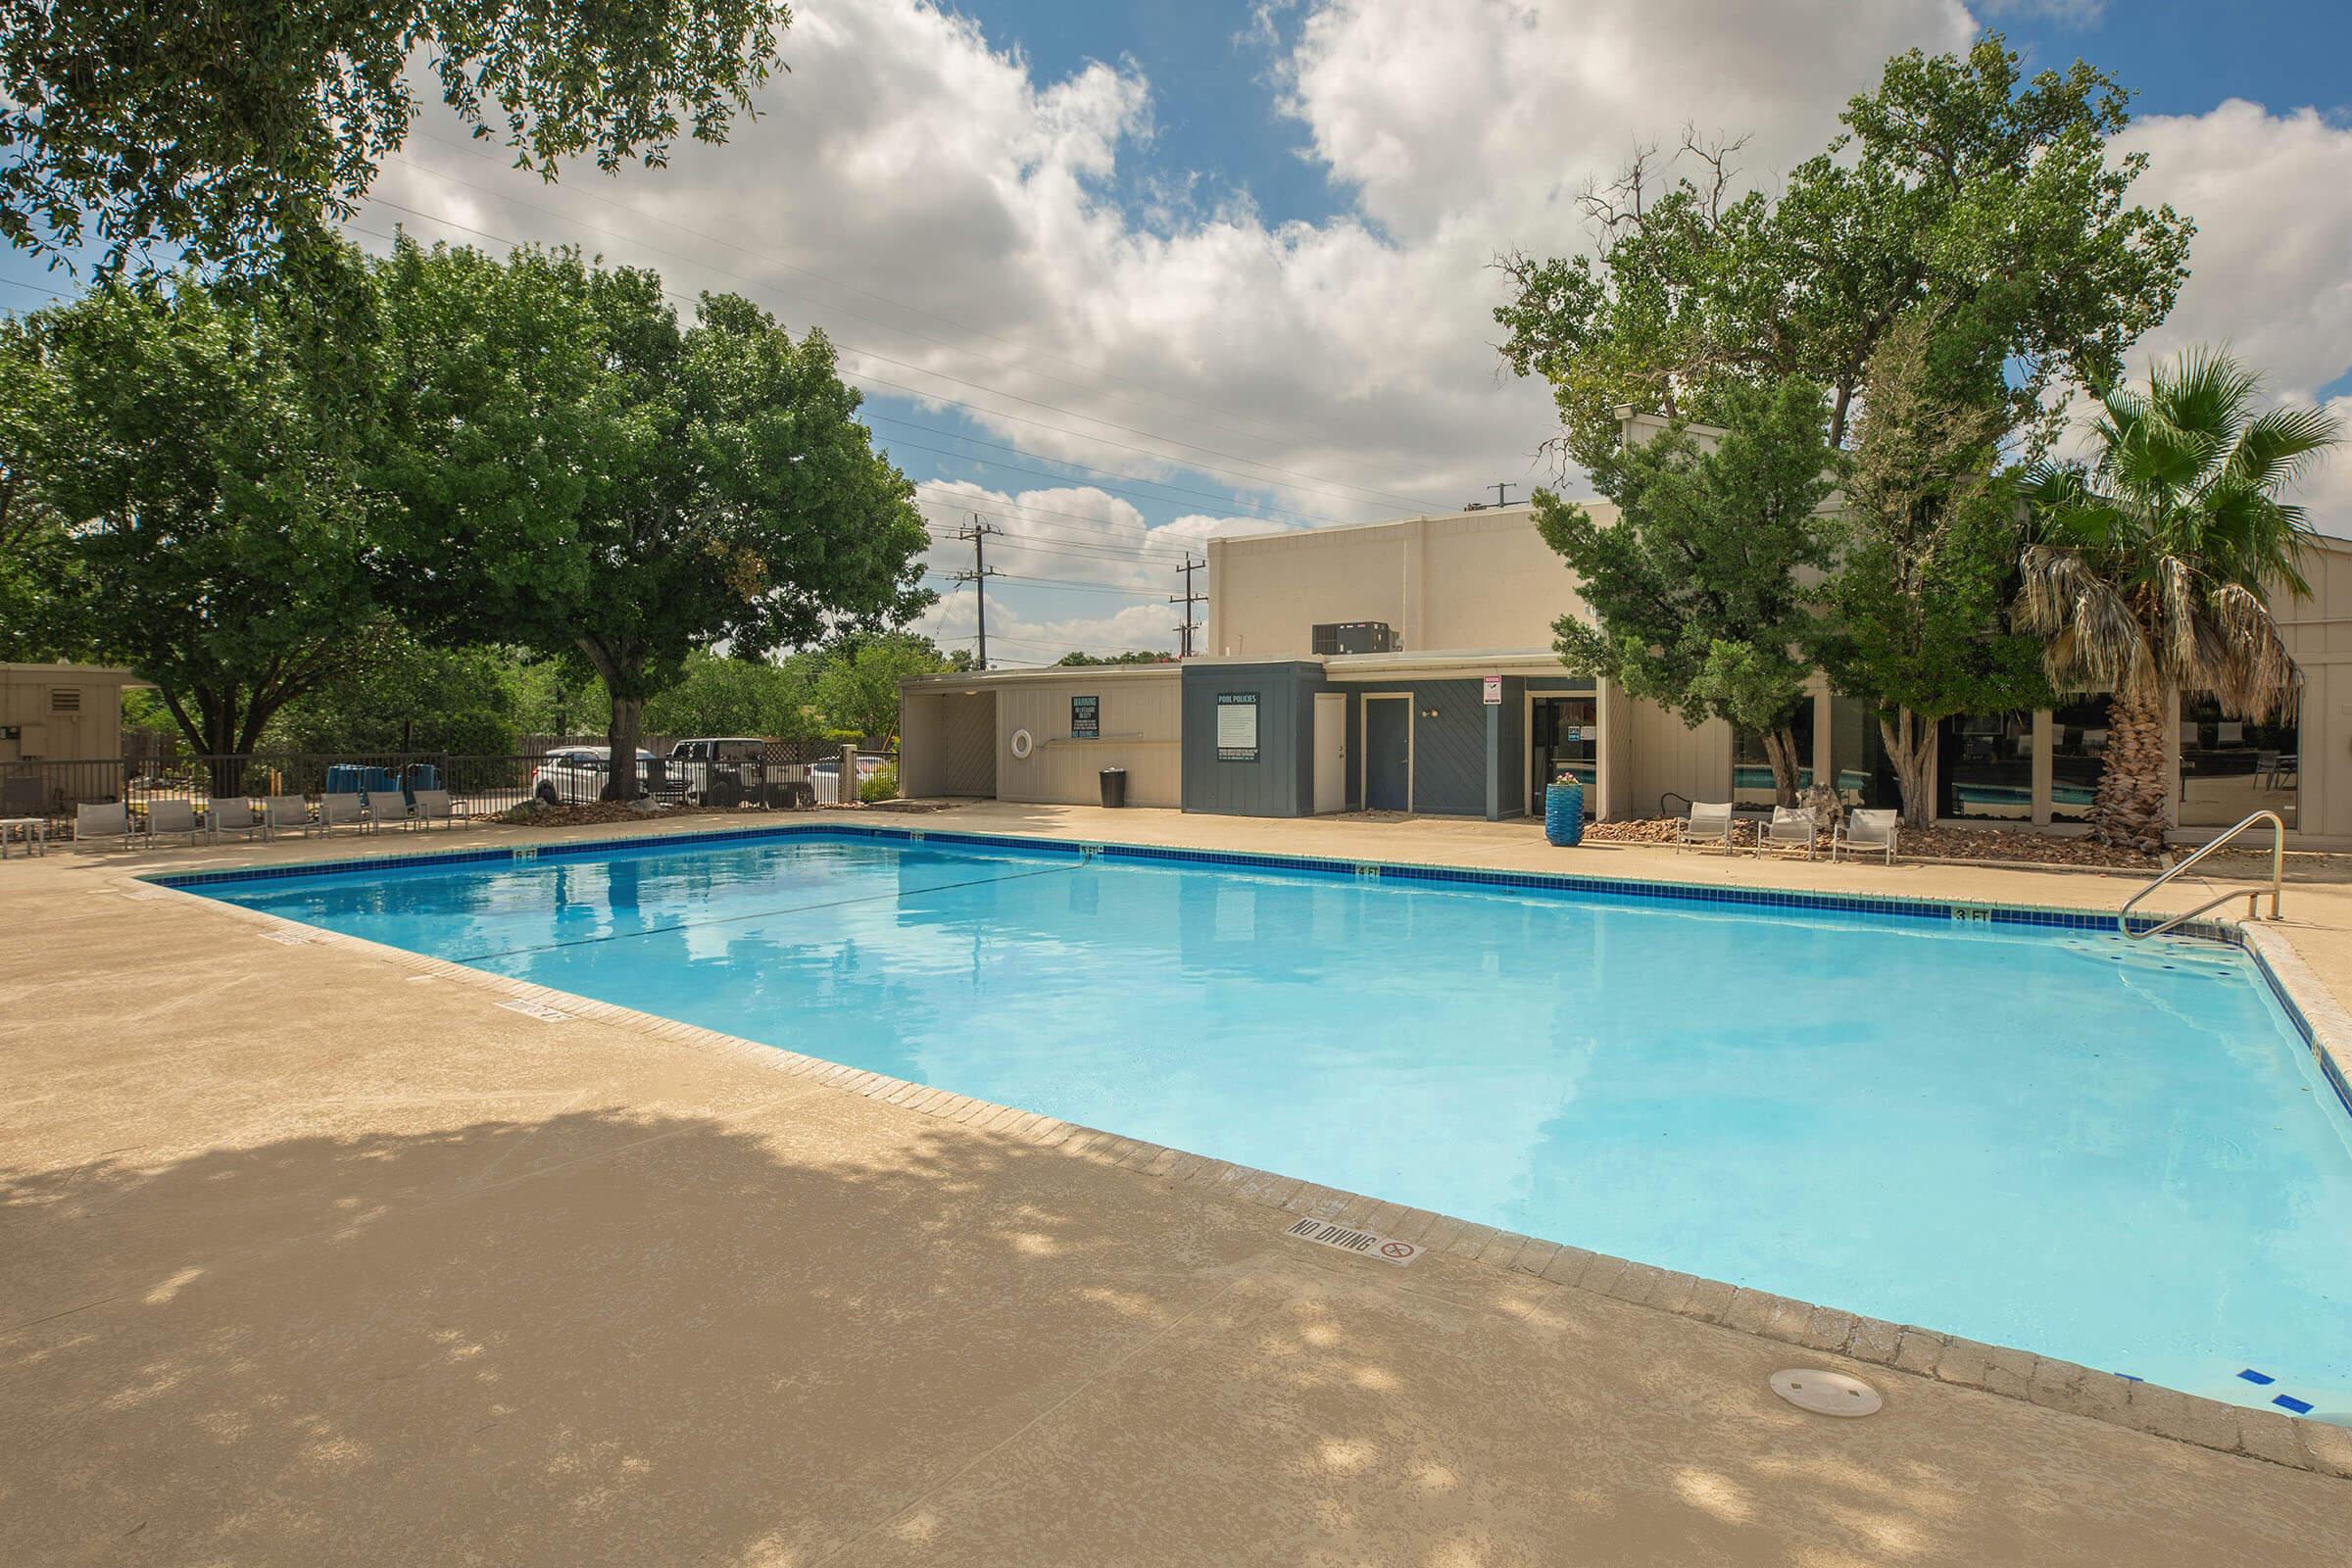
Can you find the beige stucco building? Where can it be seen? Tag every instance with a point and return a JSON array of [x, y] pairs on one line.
[[61, 712], [1408, 666]]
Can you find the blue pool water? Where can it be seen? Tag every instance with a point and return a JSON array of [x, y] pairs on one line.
[[2027, 1136]]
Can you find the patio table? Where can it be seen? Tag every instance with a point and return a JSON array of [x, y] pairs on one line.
[[35, 830]]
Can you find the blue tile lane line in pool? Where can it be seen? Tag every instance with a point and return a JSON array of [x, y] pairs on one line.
[[2116, 1156], [2287, 1401], [2252, 1376]]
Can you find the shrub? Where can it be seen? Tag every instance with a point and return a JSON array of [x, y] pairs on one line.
[[883, 786]]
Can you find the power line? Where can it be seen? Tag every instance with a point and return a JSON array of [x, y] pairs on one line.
[[1025, 512], [1068, 463], [1405, 503], [1061, 584]]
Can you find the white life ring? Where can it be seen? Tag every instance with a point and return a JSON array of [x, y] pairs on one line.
[[1022, 745]]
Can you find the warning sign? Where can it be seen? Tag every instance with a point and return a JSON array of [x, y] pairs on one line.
[[1493, 691], [1363, 1244]]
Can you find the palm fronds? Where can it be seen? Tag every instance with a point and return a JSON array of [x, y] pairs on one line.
[[2149, 565]]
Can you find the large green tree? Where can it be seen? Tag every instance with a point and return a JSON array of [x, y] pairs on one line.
[[1915, 612], [859, 689], [576, 471], [415, 697], [227, 132], [1959, 181], [1697, 586], [717, 694], [2151, 567], [197, 498]]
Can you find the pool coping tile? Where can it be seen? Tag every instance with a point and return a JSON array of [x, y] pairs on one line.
[[1908, 1349]]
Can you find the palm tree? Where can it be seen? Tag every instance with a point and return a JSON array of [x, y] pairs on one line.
[[2147, 568]]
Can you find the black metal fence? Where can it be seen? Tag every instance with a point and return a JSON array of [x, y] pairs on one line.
[[788, 775]]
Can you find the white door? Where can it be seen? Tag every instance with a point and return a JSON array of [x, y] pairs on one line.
[[1331, 751]]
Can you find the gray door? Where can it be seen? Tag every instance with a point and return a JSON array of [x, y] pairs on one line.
[[1388, 754]]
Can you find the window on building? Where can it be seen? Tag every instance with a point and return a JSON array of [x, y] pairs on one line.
[[2229, 768], [1984, 766], [2077, 754], [1751, 770], [1859, 771]]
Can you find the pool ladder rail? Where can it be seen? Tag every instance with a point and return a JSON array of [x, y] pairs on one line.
[[2252, 896]]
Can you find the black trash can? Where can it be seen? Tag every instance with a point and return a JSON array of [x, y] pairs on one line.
[[1114, 786]]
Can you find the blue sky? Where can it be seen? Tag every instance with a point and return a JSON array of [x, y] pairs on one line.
[[1159, 271], [1209, 64]]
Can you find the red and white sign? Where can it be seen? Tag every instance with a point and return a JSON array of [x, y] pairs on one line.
[[1493, 691]]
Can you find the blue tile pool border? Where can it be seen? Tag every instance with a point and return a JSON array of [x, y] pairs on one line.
[[1946, 911], [2273, 1435], [2330, 1056]]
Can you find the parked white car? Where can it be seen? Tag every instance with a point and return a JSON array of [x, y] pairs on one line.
[[824, 778], [576, 776], [719, 770]]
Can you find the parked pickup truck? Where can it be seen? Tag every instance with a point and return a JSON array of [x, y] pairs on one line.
[[730, 769]]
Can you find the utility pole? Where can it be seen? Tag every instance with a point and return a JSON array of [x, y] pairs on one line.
[[978, 577], [1500, 499], [1187, 598]]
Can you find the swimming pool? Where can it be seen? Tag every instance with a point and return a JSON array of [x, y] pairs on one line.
[[2118, 1155]]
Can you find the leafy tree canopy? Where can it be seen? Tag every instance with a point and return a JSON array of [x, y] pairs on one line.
[[719, 694], [196, 505], [1133, 656], [464, 700], [1914, 613], [226, 132], [1694, 586], [858, 690], [1957, 180], [573, 470]]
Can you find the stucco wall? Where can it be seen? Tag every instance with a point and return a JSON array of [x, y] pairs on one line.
[[1480, 579]]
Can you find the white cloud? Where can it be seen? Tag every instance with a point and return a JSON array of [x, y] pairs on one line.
[[931, 198], [2272, 196], [2272, 261]]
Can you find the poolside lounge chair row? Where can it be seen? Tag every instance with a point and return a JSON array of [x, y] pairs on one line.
[[1792, 827], [113, 823]]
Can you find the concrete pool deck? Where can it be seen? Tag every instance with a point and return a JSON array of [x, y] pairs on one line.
[[310, 1256]]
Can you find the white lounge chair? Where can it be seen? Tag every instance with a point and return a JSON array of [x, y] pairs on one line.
[[285, 813], [108, 824], [238, 815], [1709, 825], [431, 807], [344, 811], [1792, 828], [175, 817], [1865, 832]]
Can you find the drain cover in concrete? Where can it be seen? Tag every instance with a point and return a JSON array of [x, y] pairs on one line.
[[1826, 1392]]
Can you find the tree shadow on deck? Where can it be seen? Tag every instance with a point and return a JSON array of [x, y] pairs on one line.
[[599, 1338]]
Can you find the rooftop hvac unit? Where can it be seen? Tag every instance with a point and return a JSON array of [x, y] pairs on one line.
[[1354, 637]]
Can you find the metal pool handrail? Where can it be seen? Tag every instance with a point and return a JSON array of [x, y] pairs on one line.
[[2252, 896]]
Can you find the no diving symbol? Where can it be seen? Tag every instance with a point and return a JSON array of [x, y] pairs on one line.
[[1397, 1250]]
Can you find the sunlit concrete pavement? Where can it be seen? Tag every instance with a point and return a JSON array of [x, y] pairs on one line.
[[307, 1259]]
